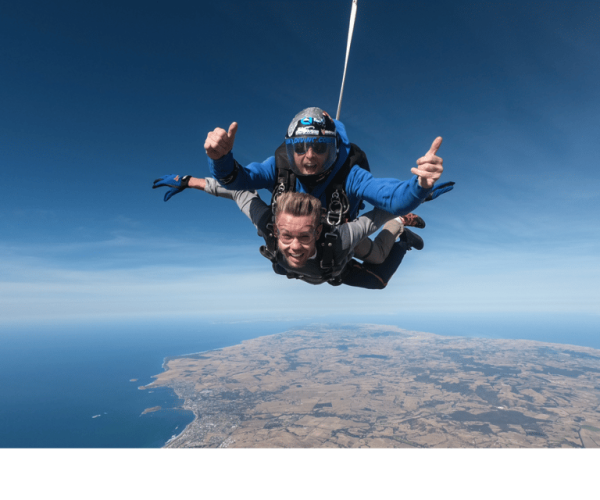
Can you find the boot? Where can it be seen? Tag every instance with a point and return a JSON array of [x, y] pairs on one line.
[[411, 240]]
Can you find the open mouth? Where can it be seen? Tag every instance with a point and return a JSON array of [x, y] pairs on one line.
[[295, 258], [311, 167]]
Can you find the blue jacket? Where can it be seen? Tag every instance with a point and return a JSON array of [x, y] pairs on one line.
[[391, 195]]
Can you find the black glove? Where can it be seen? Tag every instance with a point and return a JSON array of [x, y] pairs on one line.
[[438, 190]]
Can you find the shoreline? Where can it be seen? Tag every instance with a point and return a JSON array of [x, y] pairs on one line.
[[413, 333], [183, 406], [166, 359], [175, 437]]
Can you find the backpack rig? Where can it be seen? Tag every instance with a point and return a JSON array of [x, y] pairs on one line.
[[335, 212]]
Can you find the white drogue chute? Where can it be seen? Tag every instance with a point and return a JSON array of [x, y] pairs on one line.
[[350, 31]]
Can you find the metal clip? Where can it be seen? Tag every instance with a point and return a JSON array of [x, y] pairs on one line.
[[330, 215], [337, 209], [278, 192]]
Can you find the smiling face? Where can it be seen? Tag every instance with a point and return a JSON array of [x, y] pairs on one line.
[[297, 238]]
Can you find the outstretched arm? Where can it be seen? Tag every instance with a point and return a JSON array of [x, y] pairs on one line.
[[249, 202], [395, 196], [197, 183]]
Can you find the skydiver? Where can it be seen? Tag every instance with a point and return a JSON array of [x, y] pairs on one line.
[[316, 150], [301, 250]]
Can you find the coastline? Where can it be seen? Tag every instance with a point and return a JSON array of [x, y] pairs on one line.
[[186, 404], [175, 437], [181, 386]]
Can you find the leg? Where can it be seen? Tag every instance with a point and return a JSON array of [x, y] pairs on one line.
[[375, 276], [375, 251]]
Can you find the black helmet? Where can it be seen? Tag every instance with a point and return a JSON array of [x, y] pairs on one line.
[[312, 128]]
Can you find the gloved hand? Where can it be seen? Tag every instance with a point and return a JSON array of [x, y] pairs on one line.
[[177, 183], [438, 190]]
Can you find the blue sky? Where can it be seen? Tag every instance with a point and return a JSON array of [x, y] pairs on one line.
[[99, 99]]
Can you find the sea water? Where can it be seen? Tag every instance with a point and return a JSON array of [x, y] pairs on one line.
[[77, 385]]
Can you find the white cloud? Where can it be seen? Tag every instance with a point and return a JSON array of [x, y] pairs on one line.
[[127, 276]]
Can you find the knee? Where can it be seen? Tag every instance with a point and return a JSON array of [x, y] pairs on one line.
[[377, 254], [375, 258]]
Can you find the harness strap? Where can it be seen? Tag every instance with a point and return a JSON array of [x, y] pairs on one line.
[[337, 212], [327, 258], [285, 179], [265, 252]]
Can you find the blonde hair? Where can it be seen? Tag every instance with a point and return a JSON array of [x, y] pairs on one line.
[[299, 205]]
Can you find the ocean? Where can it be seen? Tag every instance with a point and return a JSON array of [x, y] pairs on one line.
[[75, 385]]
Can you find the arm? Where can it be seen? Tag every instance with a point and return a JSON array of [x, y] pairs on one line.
[[248, 201], [230, 173], [392, 195], [398, 197]]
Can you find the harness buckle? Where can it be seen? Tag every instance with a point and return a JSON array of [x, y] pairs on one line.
[[338, 208], [265, 252], [279, 190], [331, 214]]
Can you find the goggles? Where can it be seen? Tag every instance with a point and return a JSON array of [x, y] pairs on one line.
[[323, 146], [301, 148], [320, 145], [304, 238]]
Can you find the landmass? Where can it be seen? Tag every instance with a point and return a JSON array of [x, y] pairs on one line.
[[150, 410], [377, 386]]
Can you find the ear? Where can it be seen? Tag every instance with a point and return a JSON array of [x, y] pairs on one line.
[[318, 231]]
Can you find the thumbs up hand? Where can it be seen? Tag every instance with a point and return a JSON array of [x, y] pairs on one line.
[[430, 166], [219, 142]]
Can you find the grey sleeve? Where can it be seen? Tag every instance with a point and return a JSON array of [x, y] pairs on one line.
[[249, 203], [353, 232]]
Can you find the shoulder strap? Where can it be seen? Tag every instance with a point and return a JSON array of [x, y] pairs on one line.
[[286, 181], [338, 208], [338, 205], [359, 157], [327, 243]]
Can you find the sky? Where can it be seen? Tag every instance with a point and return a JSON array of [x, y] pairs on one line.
[[98, 99]]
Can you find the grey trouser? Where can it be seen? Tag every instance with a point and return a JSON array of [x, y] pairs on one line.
[[376, 251]]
